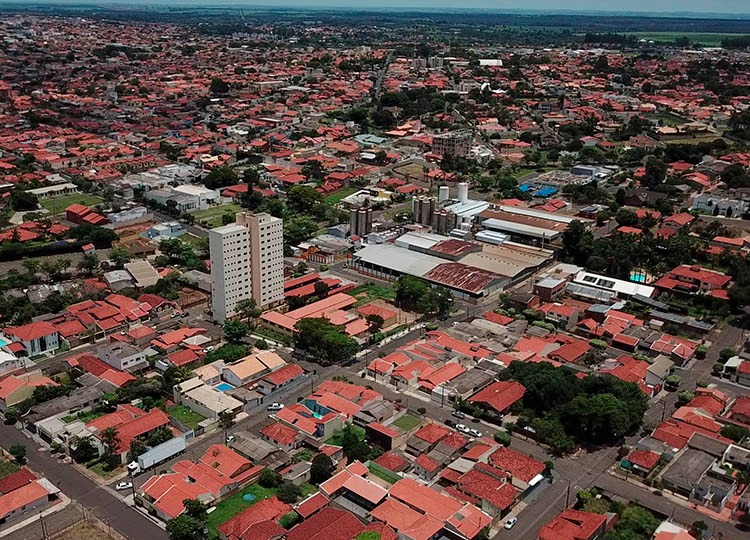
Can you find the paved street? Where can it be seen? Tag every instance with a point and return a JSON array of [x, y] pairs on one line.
[[90, 495]]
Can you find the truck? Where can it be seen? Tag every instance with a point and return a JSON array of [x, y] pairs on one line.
[[158, 454]]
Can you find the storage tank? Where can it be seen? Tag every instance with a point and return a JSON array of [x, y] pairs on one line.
[[444, 193], [463, 192]]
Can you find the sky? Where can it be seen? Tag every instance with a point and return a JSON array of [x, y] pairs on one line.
[[734, 7]]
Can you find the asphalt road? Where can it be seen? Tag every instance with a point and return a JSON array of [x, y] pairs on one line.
[[90, 495]]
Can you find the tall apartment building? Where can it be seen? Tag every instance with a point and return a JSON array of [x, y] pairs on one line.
[[229, 247], [266, 257], [247, 261], [453, 143]]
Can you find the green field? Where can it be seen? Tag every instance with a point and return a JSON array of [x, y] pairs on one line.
[[370, 291], [186, 416], [407, 422], [336, 438], [335, 198], [707, 39], [212, 216], [57, 205]]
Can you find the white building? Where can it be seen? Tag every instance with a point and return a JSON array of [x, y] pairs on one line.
[[266, 257], [229, 247], [247, 261]]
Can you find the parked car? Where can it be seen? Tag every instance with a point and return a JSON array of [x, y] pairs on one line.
[[450, 423], [208, 349], [184, 314], [230, 438], [475, 433], [275, 407], [123, 485], [462, 428], [458, 414], [510, 523]]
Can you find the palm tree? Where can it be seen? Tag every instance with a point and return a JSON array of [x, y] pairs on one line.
[[111, 441]]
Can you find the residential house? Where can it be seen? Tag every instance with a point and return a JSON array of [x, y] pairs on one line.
[[280, 378], [16, 388], [205, 400], [36, 337], [574, 525], [122, 356], [499, 396]]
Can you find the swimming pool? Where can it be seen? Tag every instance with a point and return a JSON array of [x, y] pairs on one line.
[[3, 343], [224, 387]]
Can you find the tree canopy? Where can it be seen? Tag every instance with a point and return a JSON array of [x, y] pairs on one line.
[[324, 341]]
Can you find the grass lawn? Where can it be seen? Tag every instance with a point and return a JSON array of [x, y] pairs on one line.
[[99, 469], [212, 216], [407, 422], [307, 490], [383, 473], [57, 205], [7, 468], [192, 239], [83, 417], [335, 198], [371, 291], [337, 437], [186, 416], [228, 508]]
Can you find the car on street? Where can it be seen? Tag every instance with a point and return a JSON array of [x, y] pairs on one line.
[[208, 349], [458, 414], [184, 314], [123, 485], [275, 407], [463, 428], [450, 423], [475, 433], [229, 438], [510, 523]]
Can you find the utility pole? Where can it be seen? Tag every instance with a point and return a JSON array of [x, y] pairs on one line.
[[44, 530]]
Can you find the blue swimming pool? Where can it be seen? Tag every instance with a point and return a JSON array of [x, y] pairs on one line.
[[3, 343], [224, 387]]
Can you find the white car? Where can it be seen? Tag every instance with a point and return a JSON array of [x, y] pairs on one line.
[[230, 438], [510, 523], [475, 433], [462, 428], [275, 407], [208, 349], [124, 485]]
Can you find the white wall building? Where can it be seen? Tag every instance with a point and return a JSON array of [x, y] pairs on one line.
[[266, 257], [229, 247]]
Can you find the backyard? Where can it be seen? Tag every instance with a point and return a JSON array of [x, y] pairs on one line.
[[186, 416], [336, 439], [228, 508], [84, 417], [407, 422], [57, 205], [211, 217], [7, 468]]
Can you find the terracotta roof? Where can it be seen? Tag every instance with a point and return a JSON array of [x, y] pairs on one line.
[[21, 497], [271, 509], [328, 524], [572, 525], [516, 464], [500, 395], [32, 331], [644, 459], [16, 480], [311, 505], [280, 433]]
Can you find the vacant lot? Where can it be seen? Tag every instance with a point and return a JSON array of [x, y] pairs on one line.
[[84, 531], [186, 416], [407, 422], [57, 205], [211, 217], [335, 198], [412, 170], [371, 291]]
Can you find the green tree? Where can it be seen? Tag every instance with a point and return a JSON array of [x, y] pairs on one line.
[[288, 492], [89, 264], [226, 419], [22, 201], [83, 450], [324, 341], [12, 415], [375, 322], [303, 199], [220, 177], [503, 437], [656, 171], [297, 229], [247, 309], [734, 432], [218, 86], [321, 469], [18, 451], [184, 527], [234, 331], [111, 441], [119, 257], [269, 478]]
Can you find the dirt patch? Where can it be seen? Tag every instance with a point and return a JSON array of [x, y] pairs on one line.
[[83, 531]]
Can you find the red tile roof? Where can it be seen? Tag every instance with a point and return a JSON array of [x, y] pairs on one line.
[[499, 494], [644, 458], [515, 463], [240, 525], [32, 331], [280, 433], [572, 525], [14, 481], [432, 433], [500, 395], [311, 505], [328, 524], [285, 374]]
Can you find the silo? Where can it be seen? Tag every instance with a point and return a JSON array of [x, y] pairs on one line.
[[463, 192], [444, 193]]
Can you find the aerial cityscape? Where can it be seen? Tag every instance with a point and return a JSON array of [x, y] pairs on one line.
[[403, 271]]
